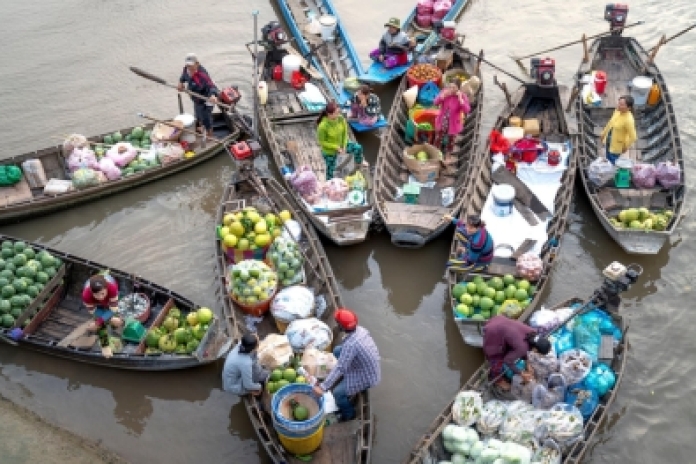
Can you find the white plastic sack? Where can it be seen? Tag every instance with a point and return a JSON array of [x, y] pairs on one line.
[[601, 171], [546, 396], [467, 407], [523, 427], [564, 425], [305, 332], [542, 365], [296, 302], [574, 365], [292, 230], [274, 351], [318, 363], [549, 453], [150, 155], [492, 416], [544, 319], [522, 390]]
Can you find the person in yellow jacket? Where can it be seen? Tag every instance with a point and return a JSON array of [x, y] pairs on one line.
[[620, 132], [332, 134]]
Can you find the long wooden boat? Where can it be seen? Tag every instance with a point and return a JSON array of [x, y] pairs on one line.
[[343, 442], [546, 105], [425, 38], [336, 59], [430, 446], [290, 129], [54, 322], [413, 225], [21, 201], [623, 59]]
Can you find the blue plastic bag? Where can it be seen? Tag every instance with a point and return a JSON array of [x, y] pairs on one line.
[[521, 365], [601, 379], [586, 334], [563, 341], [428, 93], [582, 397]]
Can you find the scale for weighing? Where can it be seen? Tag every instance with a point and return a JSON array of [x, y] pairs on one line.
[[622, 178]]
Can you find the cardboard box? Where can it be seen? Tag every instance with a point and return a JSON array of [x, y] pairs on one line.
[[531, 127], [444, 59], [423, 171]]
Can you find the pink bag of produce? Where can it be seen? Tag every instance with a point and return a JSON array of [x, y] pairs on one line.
[[440, 9], [643, 175], [304, 180], [109, 168], [122, 153], [425, 7], [424, 20], [336, 189], [668, 174], [82, 158], [529, 266]]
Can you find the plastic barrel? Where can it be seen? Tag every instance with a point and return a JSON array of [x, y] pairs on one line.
[[640, 90], [289, 425], [300, 443]]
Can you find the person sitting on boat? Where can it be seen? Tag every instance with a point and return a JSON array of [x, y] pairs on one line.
[[620, 132], [475, 244], [365, 106], [100, 297], [332, 134], [507, 340], [242, 373], [199, 82], [393, 46], [454, 106], [358, 367]]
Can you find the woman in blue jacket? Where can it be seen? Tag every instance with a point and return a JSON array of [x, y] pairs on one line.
[[476, 243]]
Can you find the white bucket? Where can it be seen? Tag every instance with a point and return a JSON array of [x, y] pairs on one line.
[[263, 92], [640, 89], [189, 124], [291, 63], [503, 195], [513, 134], [328, 26]]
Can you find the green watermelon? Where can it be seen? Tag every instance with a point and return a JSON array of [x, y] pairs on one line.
[[135, 143], [7, 274], [128, 172], [50, 271], [127, 138], [4, 281], [19, 272], [26, 299], [108, 140], [7, 253], [7, 321], [117, 137], [27, 281], [7, 291], [39, 286], [57, 262], [10, 267], [16, 311], [137, 133], [7, 244], [29, 253], [17, 301], [41, 277], [19, 285], [46, 260], [5, 306], [32, 291], [2, 264], [29, 273], [19, 246], [35, 265]]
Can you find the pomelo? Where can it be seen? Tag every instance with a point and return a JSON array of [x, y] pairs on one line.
[[499, 297], [276, 375], [228, 219], [285, 215], [497, 283], [510, 291], [486, 304], [523, 284], [289, 374], [281, 383], [471, 288], [643, 214], [475, 301], [477, 280], [481, 288], [509, 279], [463, 310], [458, 290], [230, 240], [521, 295], [466, 299], [490, 293], [205, 315]]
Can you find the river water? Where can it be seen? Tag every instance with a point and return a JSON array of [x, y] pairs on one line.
[[65, 69]]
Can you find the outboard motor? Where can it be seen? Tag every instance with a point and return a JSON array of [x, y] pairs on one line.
[[616, 14], [618, 279], [543, 71], [230, 95], [273, 34]]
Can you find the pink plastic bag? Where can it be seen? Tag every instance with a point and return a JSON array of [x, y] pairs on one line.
[[122, 153], [529, 266], [440, 9], [643, 175], [336, 189], [315, 197], [108, 167], [425, 7], [82, 158], [668, 174], [424, 20], [304, 180]]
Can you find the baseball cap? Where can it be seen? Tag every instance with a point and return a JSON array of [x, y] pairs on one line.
[[191, 58], [346, 318], [393, 22]]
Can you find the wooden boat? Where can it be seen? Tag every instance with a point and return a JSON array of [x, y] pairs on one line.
[[623, 59], [55, 321], [344, 442], [21, 201], [430, 448], [546, 105], [425, 38], [336, 59], [413, 225], [290, 129]]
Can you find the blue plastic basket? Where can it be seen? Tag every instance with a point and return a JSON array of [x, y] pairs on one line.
[[291, 426]]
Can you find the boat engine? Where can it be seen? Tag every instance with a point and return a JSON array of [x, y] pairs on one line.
[[544, 71], [230, 95], [273, 34], [616, 14], [618, 279]]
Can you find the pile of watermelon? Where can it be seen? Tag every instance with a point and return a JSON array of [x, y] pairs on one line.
[[23, 274], [480, 299]]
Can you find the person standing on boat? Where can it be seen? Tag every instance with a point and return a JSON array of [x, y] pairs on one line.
[[332, 134], [507, 340], [475, 244], [358, 367], [100, 297], [393, 46], [199, 81], [365, 106], [620, 132], [242, 374], [454, 106]]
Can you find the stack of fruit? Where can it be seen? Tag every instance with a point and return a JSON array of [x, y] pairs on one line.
[[179, 333], [23, 274], [247, 230], [282, 377], [287, 260], [642, 219], [480, 300], [252, 282]]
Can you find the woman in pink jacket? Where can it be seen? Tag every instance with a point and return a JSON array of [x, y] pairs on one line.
[[454, 105]]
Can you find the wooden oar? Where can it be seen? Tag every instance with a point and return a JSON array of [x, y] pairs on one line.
[[574, 42], [675, 36], [188, 131], [480, 58], [663, 40]]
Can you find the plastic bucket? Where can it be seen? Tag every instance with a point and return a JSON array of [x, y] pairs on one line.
[[513, 134], [424, 116], [503, 196], [189, 124], [640, 89], [291, 63], [600, 82], [302, 445], [303, 394], [328, 26]]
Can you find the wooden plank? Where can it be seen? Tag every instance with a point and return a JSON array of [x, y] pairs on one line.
[[343, 211], [430, 196], [414, 209], [527, 245], [78, 332], [15, 194], [338, 445]]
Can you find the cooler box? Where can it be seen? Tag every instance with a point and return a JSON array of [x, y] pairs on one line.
[[531, 127]]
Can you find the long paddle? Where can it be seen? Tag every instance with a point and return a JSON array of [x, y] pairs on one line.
[[520, 58], [483, 60], [159, 80], [678, 34]]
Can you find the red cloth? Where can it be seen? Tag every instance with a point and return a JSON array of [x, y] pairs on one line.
[[506, 339], [111, 293], [499, 144]]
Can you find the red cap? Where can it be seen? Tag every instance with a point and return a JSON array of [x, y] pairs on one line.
[[346, 318]]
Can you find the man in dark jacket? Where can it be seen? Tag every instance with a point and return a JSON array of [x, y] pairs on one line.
[[199, 81], [507, 340]]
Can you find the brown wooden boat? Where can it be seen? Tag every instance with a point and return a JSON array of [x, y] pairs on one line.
[[623, 59], [430, 449], [413, 225], [546, 105], [21, 201], [344, 442]]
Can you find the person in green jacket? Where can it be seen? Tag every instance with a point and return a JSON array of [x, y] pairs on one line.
[[332, 134]]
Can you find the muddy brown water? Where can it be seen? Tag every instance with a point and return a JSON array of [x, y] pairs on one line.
[[65, 69]]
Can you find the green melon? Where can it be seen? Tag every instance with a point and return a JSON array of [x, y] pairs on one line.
[[5, 306], [42, 277], [19, 246], [8, 291], [29, 253], [7, 321], [7, 253], [7, 274]]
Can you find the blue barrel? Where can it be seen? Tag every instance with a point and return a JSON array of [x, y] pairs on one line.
[[292, 425]]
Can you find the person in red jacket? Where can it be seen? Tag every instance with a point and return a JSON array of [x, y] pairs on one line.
[[507, 340]]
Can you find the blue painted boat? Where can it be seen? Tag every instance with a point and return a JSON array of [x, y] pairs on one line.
[[378, 74], [335, 58]]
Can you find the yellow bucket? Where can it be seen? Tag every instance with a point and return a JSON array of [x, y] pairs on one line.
[[302, 446]]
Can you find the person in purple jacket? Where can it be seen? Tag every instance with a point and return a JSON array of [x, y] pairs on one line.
[[507, 340]]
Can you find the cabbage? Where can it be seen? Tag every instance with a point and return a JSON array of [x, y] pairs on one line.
[[459, 434], [489, 455], [447, 432], [471, 436], [458, 459], [495, 444], [449, 446], [476, 449], [462, 448]]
